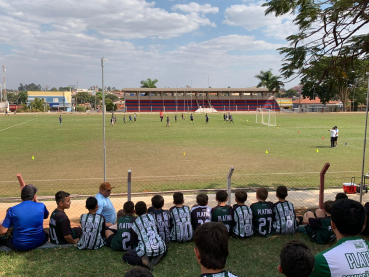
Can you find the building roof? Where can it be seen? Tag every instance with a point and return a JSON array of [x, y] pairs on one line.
[[212, 90], [307, 101]]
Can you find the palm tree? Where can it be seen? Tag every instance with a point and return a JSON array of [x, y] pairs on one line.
[[270, 81], [149, 83]]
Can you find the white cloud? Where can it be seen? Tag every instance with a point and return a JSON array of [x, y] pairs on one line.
[[119, 19], [195, 7], [252, 17]]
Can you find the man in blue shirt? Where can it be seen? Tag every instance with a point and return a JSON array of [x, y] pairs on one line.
[[27, 221], [106, 207]]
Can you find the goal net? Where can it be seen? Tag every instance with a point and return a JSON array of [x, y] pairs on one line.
[[266, 117]]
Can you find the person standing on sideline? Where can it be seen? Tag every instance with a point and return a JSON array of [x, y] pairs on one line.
[[161, 116], [60, 119], [336, 138], [333, 136], [106, 207], [27, 221]]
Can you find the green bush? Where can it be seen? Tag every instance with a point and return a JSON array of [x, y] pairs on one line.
[[80, 108]]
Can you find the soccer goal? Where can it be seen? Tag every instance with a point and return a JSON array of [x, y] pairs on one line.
[[266, 117]]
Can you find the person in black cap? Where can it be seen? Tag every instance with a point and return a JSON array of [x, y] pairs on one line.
[[27, 221]]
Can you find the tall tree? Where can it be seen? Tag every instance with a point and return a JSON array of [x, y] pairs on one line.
[[332, 30], [268, 80], [149, 83]]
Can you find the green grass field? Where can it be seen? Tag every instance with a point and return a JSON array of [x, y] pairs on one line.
[[248, 257], [70, 156]]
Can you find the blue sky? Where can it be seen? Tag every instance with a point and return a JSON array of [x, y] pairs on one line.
[[57, 43]]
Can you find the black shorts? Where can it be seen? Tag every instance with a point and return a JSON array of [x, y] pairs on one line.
[[109, 239], [335, 139]]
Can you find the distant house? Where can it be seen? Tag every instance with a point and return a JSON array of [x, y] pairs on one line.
[[284, 103], [57, 100], [307, 105]]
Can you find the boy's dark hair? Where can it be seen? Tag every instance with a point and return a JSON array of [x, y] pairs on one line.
[[140, 208], [178, 198], [262, 193], [120, 213], [221, 195], [128, 207], [282, 192], [91, 203], [138, 272], [327, 205], [296, 259], [241, 195], [157, 201], [211, 240], [341, 195], [60, 196], [349, 217], [202, 199]]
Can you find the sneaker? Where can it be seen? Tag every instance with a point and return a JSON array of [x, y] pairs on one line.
[[155, 260], [146, 263]]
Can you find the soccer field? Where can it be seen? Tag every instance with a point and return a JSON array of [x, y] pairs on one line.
[[183, 156]]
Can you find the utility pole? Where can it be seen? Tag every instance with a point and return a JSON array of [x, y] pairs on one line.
[[4, 83]]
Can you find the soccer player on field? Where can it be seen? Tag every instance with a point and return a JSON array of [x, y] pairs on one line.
[[319, 227], [191, 118], [296, 259], [211, 249], [134, 117], [162, 217], [60, 119], [200, 213], [161, 116], [124, 238], [175, 118], [262, 214], [60, 230], [206, 119], [151, 248], [284, 212], [242, 215], [168, 122], [183, 118], [93, 227], [181, 220], [222, 212], [350, 255], [130, 118], [124, 119]]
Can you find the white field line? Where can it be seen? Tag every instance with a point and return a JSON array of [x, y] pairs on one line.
[[16, 125], [175, 176]]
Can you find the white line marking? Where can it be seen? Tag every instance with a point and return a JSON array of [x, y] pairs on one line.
[[17, 125]]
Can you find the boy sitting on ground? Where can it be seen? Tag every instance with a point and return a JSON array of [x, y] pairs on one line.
[[242, 215], [181, 220], [93, 226], [211, 249], [123, 238], [162, 217], [262, 214], [60, 229], [296, 259], [284, 212], [222, 212], [200, 213], [151, 248], [319, 227]]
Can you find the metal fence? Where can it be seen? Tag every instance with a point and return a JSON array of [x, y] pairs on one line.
[[303, 189]]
